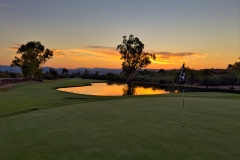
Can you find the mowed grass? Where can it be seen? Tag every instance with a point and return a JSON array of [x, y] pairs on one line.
[[30, 96], [68, 126]]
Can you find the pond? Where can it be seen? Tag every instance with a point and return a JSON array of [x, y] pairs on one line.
[[113, 89]]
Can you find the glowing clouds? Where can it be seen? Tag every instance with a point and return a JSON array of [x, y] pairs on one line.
[[88, 53], [14, 47], [172, 57], [101, 54]]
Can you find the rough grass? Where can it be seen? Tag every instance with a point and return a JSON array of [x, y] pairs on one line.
[[68, 126]]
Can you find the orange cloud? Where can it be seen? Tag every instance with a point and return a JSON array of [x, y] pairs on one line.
[[101, 53], [88, 53], [14, 47], [171, 57]]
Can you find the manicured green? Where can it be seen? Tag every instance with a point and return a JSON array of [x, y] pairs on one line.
[[40, 95], [68, 126]]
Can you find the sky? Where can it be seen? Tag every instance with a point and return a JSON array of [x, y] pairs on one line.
[[85, 33]]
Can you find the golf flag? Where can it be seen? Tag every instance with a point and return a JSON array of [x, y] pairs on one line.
[[182, 78], [182, 75]]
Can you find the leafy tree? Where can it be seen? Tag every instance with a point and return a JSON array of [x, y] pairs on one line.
[[233, 71], [206, 73], [234, 67], [192, 76], [64, 70], [230, 67], [47, 75], [161, 71], [97, 74], [144, 72], [33, 55], [110, 76], [232, 78], [53, 72], [134, 58], [86, 74], [78, 74]]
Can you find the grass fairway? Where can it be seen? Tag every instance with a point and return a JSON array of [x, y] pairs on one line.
[[68, 126]]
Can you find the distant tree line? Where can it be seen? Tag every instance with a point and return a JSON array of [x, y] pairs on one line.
[[7, 74], [204, 77]]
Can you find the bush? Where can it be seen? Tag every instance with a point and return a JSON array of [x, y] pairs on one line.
[[224, 80], [163, 81], [63, 76], [110, 76], [214, 81], [47, 75], [238, 81]]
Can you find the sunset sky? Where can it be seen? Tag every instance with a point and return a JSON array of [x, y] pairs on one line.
[[85, 33]]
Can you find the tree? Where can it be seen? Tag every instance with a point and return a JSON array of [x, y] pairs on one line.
[[206, 73], [97, 74], [192, 76], [86, 74], [134, 58], [64, 70], [110, 76], [233, 73], [33, 55], [161, 71], [235, 67], [230, 67], [53, 72], [130, 89], [232, 78]]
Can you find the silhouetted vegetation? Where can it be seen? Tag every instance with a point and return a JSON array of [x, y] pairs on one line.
[[54, 73], [206, 74], [51, 74], [64, 70], [33, 55], [133, 57], [7, 74], [204, 77], [86, 74]]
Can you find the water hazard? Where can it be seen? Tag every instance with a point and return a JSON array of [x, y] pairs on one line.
[[113, 89]]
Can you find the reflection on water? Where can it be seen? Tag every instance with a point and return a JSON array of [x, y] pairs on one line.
[[113, 89]]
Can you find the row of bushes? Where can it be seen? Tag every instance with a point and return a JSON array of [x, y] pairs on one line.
[[215, 80], [224, 80], [10, 75]]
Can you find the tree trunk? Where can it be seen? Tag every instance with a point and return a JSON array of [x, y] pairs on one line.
[[130, 89], [131, 76]]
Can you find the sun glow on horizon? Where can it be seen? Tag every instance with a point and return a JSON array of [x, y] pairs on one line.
[[108, 57]]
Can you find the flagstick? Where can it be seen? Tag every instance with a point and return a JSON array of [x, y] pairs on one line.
[[183, 107]]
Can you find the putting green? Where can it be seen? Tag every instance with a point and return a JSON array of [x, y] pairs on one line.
[[142, 127]]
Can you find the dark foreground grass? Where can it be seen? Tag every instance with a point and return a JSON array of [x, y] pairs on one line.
[[142, 127]]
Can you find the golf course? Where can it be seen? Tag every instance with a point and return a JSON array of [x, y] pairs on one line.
[[39, 122]]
